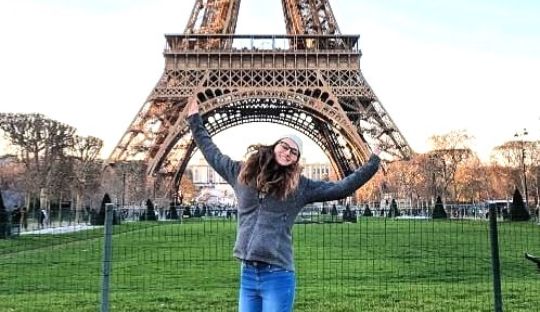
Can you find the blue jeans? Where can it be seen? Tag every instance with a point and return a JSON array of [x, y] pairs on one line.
[[266, 288]]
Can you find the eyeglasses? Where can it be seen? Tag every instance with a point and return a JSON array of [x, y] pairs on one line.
[[286, 147]]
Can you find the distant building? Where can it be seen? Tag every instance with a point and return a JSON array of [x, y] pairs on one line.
[[317, 171], [10, 169], [205, 177], [7, 160]]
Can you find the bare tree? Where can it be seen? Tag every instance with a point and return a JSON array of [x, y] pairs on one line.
[[188, 188], [137, 187], [425, 183], [40, 143], [501, 181], [60, 182], [371, 191], [535, 172], [403, 179], [450, 151], [11, 171], [419, 183], [508, 154], [87, 171], [126, 182], [520, 158], [471, 181]]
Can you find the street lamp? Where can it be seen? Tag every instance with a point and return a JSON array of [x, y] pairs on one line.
[[123, 188], [433, 162], [519, 135], [154, 186], [115, 167]]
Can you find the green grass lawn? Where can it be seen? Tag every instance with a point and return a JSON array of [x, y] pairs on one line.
[[373, 265]]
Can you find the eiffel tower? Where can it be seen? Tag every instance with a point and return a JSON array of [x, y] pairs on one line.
[[309, 80]]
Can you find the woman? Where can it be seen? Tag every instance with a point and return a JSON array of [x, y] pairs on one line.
[[270, 192]]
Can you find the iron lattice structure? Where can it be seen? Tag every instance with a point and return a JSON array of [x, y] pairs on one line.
[[308, 79]]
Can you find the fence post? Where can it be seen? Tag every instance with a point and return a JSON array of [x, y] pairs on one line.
[[495, 262], [107, 257]]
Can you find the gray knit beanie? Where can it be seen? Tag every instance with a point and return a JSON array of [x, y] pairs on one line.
[[296, 139]]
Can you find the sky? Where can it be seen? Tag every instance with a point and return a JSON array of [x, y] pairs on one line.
[[436, 66]]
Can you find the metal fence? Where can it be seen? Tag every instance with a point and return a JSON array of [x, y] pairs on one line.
[[409, 263]]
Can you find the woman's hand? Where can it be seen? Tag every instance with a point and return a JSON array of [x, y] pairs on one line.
[[377, 150], [192, 106]]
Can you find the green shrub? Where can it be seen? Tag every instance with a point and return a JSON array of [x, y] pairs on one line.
[[5, 225], [438, 211], [394, 211], [149, 214], [368, 212], [518, 212]]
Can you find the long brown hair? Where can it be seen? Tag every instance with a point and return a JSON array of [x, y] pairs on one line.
[[262, 172]]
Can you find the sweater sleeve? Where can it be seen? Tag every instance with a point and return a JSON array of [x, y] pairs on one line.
[[317, 191], [226, 167]]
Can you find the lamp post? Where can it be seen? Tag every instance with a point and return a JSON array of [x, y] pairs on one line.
[[123, 188], [154, 186], [433, 166], [521, 135]]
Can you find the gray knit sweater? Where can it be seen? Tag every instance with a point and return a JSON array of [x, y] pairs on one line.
[[265, 224]]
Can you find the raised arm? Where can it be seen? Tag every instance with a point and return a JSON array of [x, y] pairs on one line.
[[317, 191], [222, 164]]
